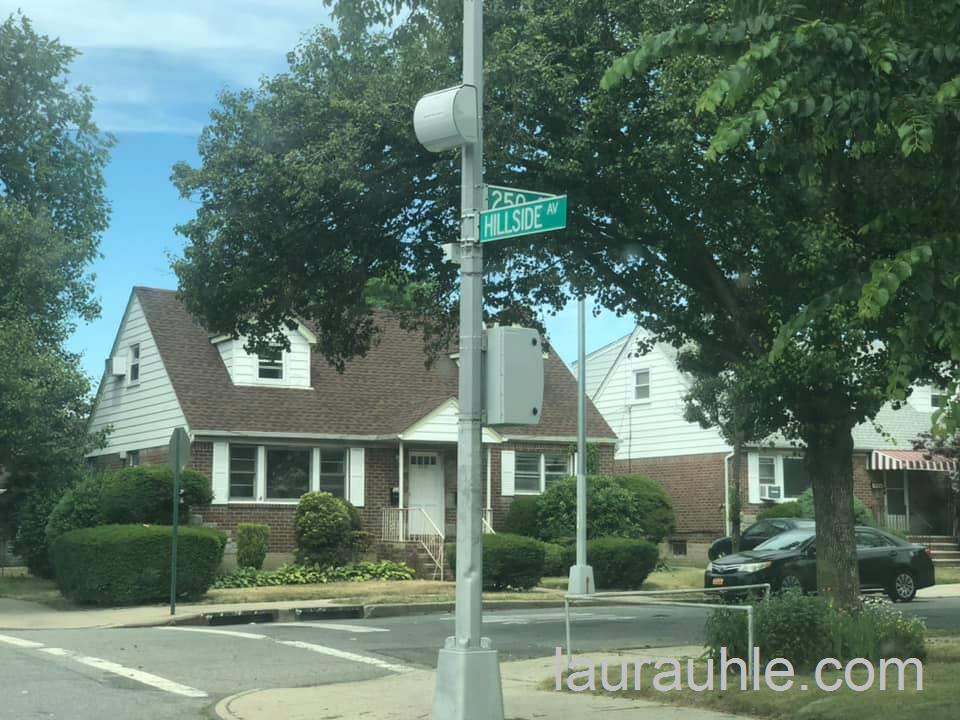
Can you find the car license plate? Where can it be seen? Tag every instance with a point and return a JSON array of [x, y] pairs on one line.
[[718, 581]]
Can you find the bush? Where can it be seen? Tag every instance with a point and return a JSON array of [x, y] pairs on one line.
[[790, 509], [555, 560], [862, 515], [130, 564], [611, 511], [30, 541], [324, 526], [621, 563], [79, 507], [253, 539], [651, 504], [300, 575], [510, 562], [804, 629], [522, 516], [144, 494]]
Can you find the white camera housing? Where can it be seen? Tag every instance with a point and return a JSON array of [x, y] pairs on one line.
[[447, 118]]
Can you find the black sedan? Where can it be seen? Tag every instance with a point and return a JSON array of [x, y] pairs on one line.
[[788, 561], [757, 533]]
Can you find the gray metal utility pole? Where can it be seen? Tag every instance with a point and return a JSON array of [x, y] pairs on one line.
[[468, 671], [581, 575]]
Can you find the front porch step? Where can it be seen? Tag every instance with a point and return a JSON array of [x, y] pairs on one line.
[[924, 539]]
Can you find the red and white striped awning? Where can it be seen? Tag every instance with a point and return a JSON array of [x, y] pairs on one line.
[[910, 460]]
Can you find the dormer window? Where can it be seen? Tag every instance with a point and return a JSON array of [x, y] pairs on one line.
[[270, 364], [938, 398]]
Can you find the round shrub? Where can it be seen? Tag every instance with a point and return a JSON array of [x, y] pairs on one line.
[[651, 505], [861, 513], [555, 560], [790, 509], [522, 516], [253, 539], [324, 527], [621, 563], [510, 562], [144, 494], [30, 541], [79, 507], [611, 511], [130, 564]]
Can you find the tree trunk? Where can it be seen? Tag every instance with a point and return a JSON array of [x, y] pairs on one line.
[[829, 460]]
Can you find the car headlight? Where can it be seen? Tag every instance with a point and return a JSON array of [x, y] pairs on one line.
[[753, 567]]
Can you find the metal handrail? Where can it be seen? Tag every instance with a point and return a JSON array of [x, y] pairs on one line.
[[432, 543], [488, 521]]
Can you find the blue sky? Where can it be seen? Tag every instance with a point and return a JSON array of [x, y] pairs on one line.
[[155, 69]]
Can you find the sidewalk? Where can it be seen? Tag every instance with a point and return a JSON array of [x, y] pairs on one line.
[[409, 696]]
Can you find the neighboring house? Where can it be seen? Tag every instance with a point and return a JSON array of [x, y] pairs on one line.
[[642, 398], [267, 429]]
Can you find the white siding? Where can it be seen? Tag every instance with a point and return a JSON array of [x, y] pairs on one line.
[[244, 370], [441, 426], [654, 427], [599, 363], [141, 415]]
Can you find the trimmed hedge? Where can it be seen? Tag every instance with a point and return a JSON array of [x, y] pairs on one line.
[[555, 559], [144, 494], [299, 575], [253, 539], [326, 529], [30, 542], [522, 516], [790, 509], [621, 563], [130, 564], [651, 504], [79, 507], [861, 513], [510, 562]]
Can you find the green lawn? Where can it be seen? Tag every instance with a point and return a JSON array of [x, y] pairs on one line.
[[679, 577], [948, 575], [937, 700], [21, 586]]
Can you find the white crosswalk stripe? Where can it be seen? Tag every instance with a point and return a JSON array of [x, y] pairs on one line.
[[333, 626]]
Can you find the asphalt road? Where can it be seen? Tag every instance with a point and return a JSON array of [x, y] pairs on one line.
[[177, 673]]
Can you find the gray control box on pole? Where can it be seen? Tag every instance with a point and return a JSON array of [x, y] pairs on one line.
[[513, 376]]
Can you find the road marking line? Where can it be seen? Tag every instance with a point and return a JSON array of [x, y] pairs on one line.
[[231, 633], [142, 677], [343, 655], [59, 652], [333, 626], [19, 642]]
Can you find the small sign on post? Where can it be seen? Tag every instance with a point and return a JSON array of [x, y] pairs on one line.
[[179, 454]]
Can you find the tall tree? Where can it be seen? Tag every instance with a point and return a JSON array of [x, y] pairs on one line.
[[313, 185], [52, 212]]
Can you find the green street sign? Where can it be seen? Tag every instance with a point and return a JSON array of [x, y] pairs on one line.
[[497, 197], [529, 218]]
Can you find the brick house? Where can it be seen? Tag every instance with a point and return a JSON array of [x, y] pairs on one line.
[[642, 398], [267, 429]]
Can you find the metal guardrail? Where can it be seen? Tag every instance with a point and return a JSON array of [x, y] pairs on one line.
[[641, 595]]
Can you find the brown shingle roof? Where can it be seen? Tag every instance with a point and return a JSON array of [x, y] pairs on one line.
[[381, 394]]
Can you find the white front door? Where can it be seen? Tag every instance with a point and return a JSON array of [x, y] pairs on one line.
[[426, 492]]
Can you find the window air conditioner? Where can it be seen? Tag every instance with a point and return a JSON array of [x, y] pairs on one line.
[[117, 366]]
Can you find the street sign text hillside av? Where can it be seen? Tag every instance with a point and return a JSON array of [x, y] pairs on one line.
[[524, 219]]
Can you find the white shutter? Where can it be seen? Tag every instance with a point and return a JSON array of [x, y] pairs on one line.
[[573, 469], [315, 470], [507, 464], [753, 477], [221, 473], [356, 484]]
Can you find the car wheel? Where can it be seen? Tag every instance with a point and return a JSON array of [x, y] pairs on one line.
[[904, 588], [791, 583]]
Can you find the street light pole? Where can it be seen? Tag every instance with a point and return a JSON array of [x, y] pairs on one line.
[[468, 671], [581, 575]]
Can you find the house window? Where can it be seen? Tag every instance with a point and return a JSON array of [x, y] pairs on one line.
[[769, 490], [288, 473], [795, 478], [535, 472], [527, 473], [135, 363], [938, 398], [641, 385], [270, 364], [678, 547], [333, 472], [243, 472], [133, 458]]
